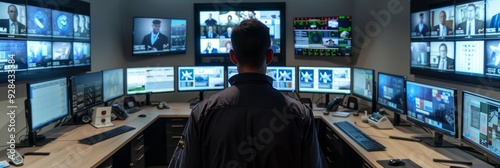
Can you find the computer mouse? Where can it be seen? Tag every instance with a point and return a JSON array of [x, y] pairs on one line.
[[396, 162], [142, 115]]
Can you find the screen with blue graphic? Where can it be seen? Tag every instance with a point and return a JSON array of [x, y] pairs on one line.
[[325, 79], [62, 24], [39, 55], [62, 54], [13, 49], [142, 80], [480, 124], [39, 21], [81, 54], [283, 76], [200, 78], [433, 107], [391, 92]]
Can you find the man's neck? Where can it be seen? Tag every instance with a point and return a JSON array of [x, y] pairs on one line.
[[246, 69]]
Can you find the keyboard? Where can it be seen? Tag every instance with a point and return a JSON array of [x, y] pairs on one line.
[[133, 110], [359, 136], [106, 135]]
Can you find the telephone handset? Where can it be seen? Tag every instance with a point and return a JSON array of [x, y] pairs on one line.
[[334, 104], [119, 111]]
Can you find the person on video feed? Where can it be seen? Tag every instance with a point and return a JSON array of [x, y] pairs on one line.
[[495, 55], [210, 21], [421, 29], [495, 22], [444, 62], [155, 40], [210, 49], [83, 28], [12, 24], [472, 25], [442, 28], [210, 33], [238, 115], [228, 32], [230, 21]]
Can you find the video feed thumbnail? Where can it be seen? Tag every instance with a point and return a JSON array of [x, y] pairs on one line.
[[62, 24], [470, 57], [178, 34], [325, 79], [153, 35], [420, 24], [469, 19], [442, 56], [493, 18], [492, 57], [12, 19], [201, 78], [39, 21], [62, 54], [81, 54], [39, 55], [81, 26], [443, 21], [13, 55], [420, 52]]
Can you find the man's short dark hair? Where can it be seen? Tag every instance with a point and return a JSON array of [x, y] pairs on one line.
[[156, 21], [444, 45], [471, 4], [250, 41]]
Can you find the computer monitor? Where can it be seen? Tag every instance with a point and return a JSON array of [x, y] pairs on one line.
[[480, 120], [200, 78], [16, 50], [336, 80], [39, 21], [433, 107], [112, 86], [39, 112], [86, 91], [363, 84], [8, 30], [149, 80], [283, 76], [39, 55], [62, 24], [391, 94]]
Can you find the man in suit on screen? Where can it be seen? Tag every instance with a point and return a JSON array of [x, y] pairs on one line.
[[495, 22], [155, 40], [471, 26], [444, 62], [421, 29], [442, 28], [12, 25]]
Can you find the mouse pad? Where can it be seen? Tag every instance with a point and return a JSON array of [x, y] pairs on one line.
[[408, 163]]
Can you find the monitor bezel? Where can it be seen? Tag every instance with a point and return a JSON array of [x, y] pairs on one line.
[[123, 82], [29, 114], [373, 84], [403, 111], [473, 145], [455, 99], [162, 53], [316, 67], [200, 90], [145, 93]]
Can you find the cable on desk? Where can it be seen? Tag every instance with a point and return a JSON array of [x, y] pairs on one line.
[[355, 123]]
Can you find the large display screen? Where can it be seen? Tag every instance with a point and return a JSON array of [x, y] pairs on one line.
[[200, 78], [159, 36], [322, 36], [325, 79], [433, 107]]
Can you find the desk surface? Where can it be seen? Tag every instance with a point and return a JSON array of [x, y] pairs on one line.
[[65, 151]]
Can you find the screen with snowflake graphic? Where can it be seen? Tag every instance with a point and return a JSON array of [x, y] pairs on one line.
[[325, 79]]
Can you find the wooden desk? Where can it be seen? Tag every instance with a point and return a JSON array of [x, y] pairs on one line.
[[66, 152]]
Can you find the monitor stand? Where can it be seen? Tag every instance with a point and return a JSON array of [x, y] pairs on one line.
[[200, 96], [35, 140], [323, 105], [396, 121], [436, 141]]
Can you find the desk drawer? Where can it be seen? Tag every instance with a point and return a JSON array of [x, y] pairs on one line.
[[107, 164], [137, 142], [175, 125], [137, 158]]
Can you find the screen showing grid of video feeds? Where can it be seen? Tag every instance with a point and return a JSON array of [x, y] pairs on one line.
[[43, 40], [456, 39]]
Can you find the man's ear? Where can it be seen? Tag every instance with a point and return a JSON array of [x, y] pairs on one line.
[[269, 56], [232, 55]]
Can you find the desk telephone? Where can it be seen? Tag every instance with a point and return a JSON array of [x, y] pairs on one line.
[[334, 104], [119, 111]]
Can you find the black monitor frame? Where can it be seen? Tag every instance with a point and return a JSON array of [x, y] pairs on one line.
[[148, 94], [34, 139], [106, 100], [222, 58], [437, 140], [397, 112]]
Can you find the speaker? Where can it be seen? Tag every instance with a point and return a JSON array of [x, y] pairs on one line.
[[101, 117], [129, 102], [352, 103]]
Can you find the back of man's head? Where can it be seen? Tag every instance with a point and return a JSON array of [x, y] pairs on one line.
[[251, 41]]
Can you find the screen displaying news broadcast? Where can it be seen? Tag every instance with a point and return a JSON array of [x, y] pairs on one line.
[[15, 22], [158, 36], [13, 49], [420, 27], [62, 24], [469, 19], [492, 18], [442, 56], [39, 54], [420, 54], [469, 57], [81, 53], [442, 22], [216, 28], [492, 57], [39, 21], [323, 36], [81, 26], [200, 78], [62, 55], [283, 76]]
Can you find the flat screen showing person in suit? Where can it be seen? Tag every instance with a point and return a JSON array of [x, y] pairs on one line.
[[155, 40], [492, 56], [420, 24], [443, 55], [493, 18], [470, 19], [12, 19], [443, 21], [159, 36]]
